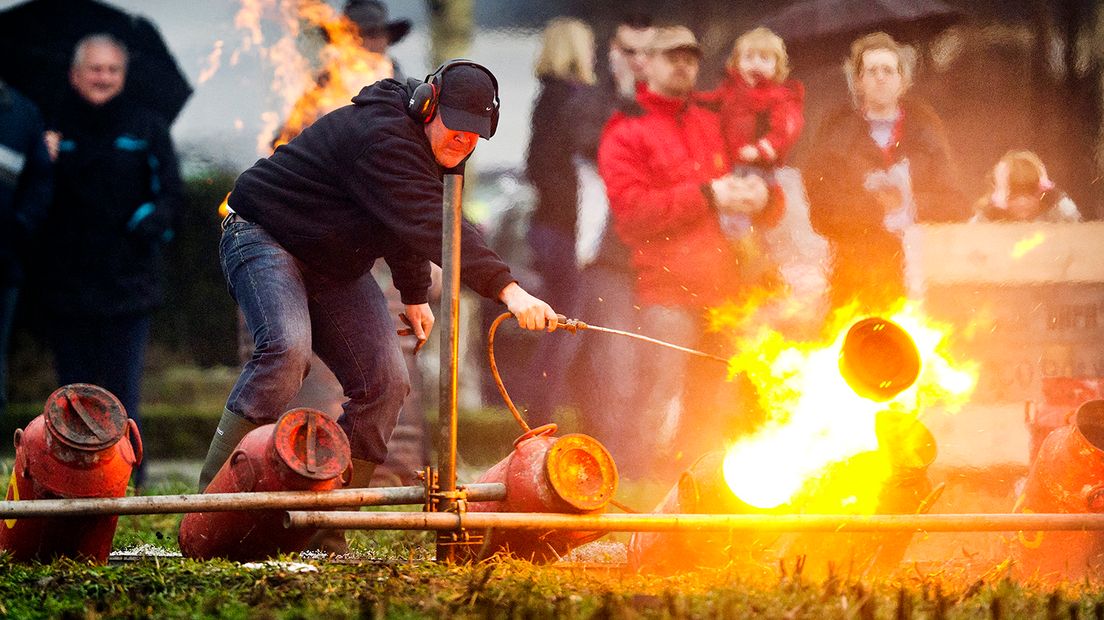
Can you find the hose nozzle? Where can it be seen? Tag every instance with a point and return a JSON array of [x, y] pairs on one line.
[[572, 325]]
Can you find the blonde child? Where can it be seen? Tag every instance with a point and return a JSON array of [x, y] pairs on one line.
[[761, 118], [1022, 192], [761, 110]]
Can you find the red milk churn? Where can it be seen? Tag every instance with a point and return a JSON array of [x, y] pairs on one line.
[[701, 489], [303, 451], [570, 474], [83, 445], [1067, 476], [1061, 397], [906, 449]]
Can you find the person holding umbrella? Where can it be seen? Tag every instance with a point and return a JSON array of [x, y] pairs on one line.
[[37, 39], [117, 189], [306, 225]]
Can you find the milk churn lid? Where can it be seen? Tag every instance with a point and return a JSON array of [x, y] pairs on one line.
[[85, 417], [311, 445], [581, 471], [878, 359]]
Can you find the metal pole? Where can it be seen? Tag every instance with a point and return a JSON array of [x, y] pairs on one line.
[[450, 344], [697, 522], [224, 502]]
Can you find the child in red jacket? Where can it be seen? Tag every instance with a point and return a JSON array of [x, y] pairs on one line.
[[761, 111], [761, 119]]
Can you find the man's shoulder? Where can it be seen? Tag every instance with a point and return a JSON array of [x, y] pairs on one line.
[[377, 110], [921, 113], [385, 95], [627, 113], [842, 120]]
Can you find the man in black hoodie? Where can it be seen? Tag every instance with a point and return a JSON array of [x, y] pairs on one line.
[[307, 223]]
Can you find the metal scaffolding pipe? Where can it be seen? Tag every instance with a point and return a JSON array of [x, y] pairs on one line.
[[225, 502], [442, 521], [451, 225]]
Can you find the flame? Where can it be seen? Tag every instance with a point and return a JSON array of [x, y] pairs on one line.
[[817, 424], [1026, 245], [214, 59], [317, 59], [248, 19]]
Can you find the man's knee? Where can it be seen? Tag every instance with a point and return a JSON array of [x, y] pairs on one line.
[[385, 388], [289, 356], [402, 385], [395, 384]]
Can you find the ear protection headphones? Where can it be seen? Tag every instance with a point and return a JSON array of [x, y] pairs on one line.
[[422, 106]]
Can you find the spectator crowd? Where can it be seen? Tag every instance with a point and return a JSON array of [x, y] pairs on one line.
[[678, 219], [655, 201]]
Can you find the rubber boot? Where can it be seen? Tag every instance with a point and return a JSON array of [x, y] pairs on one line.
[[231, 428], [332, 541]]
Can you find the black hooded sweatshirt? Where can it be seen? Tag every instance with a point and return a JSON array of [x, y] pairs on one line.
[[359, 184]]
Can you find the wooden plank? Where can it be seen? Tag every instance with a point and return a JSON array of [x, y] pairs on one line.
[[1009, 253]]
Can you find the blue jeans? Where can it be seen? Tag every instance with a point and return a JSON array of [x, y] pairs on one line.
[[106, 351], [291, 311]]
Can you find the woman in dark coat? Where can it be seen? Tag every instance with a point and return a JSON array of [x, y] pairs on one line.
[[565, 68]]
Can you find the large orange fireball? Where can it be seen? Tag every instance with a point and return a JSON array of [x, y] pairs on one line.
[[817, 420]]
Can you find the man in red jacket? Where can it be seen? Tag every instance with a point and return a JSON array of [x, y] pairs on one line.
[[667, 174]]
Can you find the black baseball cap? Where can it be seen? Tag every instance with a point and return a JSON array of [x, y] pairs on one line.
[[468, 100]]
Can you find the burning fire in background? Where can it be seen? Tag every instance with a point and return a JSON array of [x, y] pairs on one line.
[[317, 59], [815, 421]]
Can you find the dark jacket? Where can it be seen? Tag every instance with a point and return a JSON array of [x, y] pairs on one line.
[[359, 184], [117, 191], [549, 163], [868, 259], [26, 180], [591, 109]]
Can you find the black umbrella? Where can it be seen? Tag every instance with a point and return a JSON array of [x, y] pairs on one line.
[[36, 46], [826, 28]]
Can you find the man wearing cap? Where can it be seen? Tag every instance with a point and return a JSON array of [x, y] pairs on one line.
[[667, 173], [307, 223]]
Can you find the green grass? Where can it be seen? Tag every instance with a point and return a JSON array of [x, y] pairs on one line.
[[174, 588], [395, 577]]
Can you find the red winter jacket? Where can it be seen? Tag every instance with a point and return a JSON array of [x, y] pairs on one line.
[[655, 162], [769, 115]]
